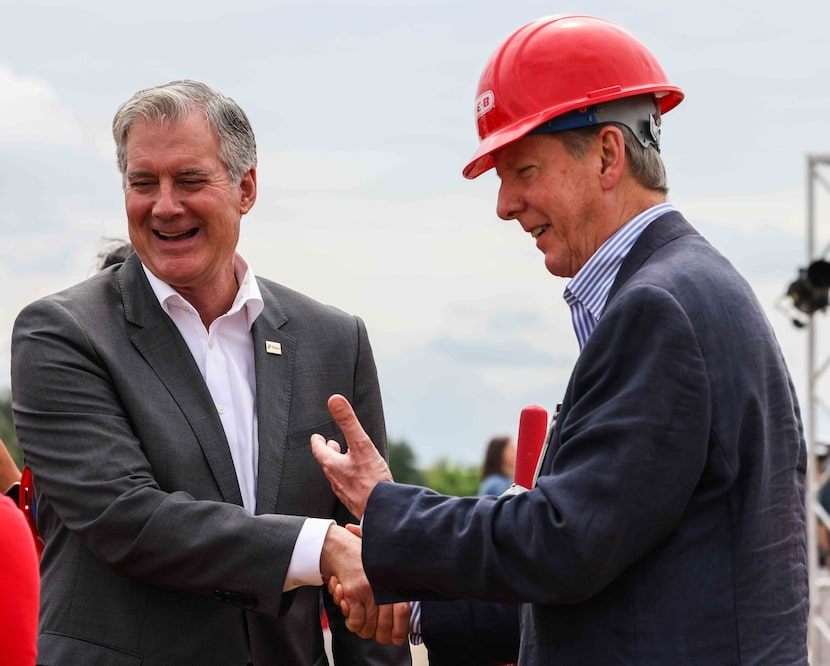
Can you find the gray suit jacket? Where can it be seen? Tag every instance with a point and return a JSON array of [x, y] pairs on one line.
[[150, 558], [668, 523]]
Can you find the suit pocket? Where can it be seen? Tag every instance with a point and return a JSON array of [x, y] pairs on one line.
[[60, 650], [328, 429], [304, 489]]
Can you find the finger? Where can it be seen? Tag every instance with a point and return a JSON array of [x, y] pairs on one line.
[[332, 585], [355, 616], [320, 449], [345, 417], [354, 528], [386, 622], [338, 594], [400, 628], [370, 623]]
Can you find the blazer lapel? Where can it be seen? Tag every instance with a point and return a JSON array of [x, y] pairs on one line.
[[158, 340], [664, 229], [274, 357]]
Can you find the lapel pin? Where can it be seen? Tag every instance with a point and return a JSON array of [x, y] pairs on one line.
[[273, 347]]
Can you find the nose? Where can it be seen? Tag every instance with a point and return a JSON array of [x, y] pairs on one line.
[[167, 204], [509, 205]]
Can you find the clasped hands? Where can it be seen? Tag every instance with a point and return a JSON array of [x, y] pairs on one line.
[[353, 476]]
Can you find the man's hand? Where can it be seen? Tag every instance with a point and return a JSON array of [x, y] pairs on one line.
[[354, 474], [340, 558], [393, 619]]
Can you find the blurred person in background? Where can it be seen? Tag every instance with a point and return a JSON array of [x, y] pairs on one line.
[[499, 466]]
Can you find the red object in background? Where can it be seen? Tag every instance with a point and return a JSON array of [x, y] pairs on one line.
[[533, 428], [19, 587], [27, 506]]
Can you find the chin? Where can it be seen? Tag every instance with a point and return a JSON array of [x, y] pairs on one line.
[[553, 269]]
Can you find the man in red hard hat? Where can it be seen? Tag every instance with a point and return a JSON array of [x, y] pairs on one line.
[[666, 525]]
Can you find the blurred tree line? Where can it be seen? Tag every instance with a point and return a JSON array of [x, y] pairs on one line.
[[7, 427], [444, 477]]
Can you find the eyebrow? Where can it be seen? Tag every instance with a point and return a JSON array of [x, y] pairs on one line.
[[193, 172], [181, 172]]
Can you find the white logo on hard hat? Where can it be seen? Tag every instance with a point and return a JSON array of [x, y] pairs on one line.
[[484, 103]]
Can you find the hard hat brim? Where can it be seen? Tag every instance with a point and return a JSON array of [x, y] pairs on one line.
[[668, 97]]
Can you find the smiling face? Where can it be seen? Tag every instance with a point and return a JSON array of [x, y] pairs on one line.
[[556, 197], [183, 212]]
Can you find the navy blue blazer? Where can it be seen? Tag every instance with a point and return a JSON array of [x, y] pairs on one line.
[[667, 526]]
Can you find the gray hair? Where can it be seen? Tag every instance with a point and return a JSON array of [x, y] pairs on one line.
[[646, 164], [172, 102]]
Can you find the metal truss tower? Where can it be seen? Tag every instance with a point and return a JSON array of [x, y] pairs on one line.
[[816, 410]]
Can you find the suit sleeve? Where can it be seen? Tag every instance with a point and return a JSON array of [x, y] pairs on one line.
[[366, 400], [628, 450]]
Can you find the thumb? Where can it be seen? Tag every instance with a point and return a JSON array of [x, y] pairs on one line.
[[344, 415]]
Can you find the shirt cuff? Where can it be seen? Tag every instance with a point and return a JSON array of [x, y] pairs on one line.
[[304, 567], [415, 623]]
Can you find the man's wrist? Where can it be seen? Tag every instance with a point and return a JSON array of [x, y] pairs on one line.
[[333, 544]]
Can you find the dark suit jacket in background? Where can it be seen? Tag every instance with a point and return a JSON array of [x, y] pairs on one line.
[[150, 557], [470, 633], [668, 523]]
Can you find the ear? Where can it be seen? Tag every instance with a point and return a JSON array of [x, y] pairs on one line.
[[247, 191], [612, 153]]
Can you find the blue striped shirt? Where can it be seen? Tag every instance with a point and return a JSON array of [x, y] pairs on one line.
[[588, 290]]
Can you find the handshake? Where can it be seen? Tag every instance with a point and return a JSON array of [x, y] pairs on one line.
[[353, 476]]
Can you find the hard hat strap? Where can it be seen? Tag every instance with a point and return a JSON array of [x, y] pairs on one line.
[[639, 113]]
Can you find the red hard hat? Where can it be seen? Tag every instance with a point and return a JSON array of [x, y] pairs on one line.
[[554, 65]]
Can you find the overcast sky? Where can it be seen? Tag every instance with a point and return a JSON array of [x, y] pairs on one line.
[[363, 112]]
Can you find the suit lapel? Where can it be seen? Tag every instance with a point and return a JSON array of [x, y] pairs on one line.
[[274, 356], [158, 340], [664, 229]]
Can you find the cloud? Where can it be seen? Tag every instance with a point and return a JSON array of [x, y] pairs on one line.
[[364, 122], [31, 113]]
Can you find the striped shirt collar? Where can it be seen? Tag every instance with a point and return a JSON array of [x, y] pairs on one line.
[[587, 292]]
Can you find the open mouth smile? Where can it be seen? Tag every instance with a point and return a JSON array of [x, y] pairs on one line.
[[189, 233]]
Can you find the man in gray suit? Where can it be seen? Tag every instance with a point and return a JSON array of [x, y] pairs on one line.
[[164, 407], [667, 522]]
